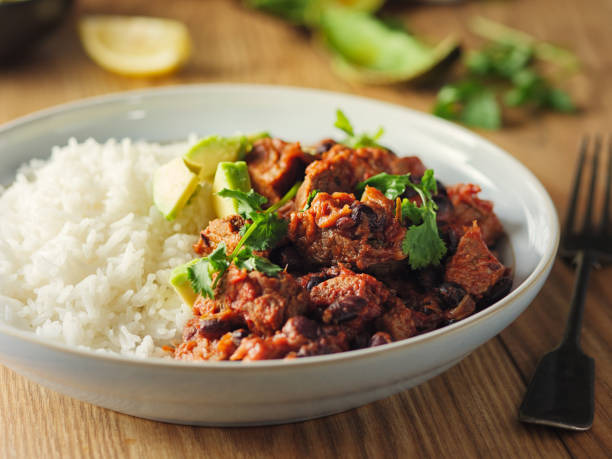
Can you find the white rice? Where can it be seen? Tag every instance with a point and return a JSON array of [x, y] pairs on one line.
[[85, 257]]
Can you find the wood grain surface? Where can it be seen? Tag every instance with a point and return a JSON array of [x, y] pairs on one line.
[[469, 411]]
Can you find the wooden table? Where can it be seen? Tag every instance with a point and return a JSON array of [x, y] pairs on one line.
[[470, 410]]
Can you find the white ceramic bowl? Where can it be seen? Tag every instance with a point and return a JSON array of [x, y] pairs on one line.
[[228, 393]]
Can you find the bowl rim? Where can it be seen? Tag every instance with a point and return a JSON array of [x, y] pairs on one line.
[[542, 268]]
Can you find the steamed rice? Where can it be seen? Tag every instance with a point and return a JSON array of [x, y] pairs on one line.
[[85, 257]]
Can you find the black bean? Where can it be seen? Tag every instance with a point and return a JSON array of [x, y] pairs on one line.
[[344, 309], [497, 291], [315, 280], [361, 211], [324, 146], [213, 328], [450, 294], [302, 326]]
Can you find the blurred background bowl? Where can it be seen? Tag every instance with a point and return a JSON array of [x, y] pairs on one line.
[[24, 22]]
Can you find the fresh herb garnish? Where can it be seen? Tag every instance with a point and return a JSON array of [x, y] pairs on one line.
[[422, 242], [356, 140], [391, 185], [201, 273], [251, 262], [263, 231], [309, 200], [248, 203], [470, 102], [506, 71]]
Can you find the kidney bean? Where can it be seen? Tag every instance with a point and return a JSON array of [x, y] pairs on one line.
[[300, 325], [344, 309], [315, 280], [213, 328]]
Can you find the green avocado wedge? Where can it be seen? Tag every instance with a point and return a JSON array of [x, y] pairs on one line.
[[366, 50], [179, 279], [204, 156], [233, 176], [173, 185]]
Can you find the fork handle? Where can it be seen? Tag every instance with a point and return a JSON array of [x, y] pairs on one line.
[[574, 322]]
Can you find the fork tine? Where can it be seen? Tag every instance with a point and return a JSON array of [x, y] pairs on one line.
[[605, 217], [571, 212], [588, 217]]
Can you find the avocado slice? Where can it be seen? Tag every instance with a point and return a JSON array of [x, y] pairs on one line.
[[203, 157], [173, 185], [366, 50], [179, 279], [233, 176]]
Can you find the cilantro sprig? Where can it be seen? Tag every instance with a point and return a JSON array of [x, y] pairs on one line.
[[511, 70], [264, 229], [309, 200], [354, 140], [422, 242]]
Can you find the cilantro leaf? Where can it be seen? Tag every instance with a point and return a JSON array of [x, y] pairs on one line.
[[482, 110], [356, 140], [245, 259], [248, 203], [343, 123], [201, 273], [470, 102], [428, 183], [391, 185], [264, 230], [411, 212], [309, 199], [423, 244], [268, 230]]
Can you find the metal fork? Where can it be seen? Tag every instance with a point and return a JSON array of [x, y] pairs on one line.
[[561, 392]]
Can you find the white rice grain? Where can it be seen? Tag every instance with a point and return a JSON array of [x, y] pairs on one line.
[[85, 257]]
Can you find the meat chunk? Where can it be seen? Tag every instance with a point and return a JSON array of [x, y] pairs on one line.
[[398, 322], [341, 168], [274, 166], [473, 266], [468, 207], [263, 302], [349, 300], [220, 230], [337, 228]]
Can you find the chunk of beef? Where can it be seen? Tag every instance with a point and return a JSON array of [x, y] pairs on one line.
[[337, 228], [349, 300], [473, 266], [220, 230], [341, 168], [274, 166], [468, 207], [263, 302], [398, 322]]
